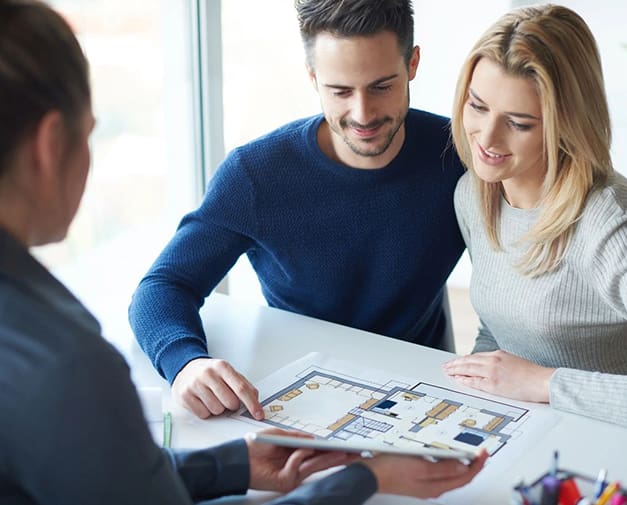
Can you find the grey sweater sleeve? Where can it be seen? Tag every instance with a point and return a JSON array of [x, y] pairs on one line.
[[485, 341], [604, 263], [592, 394]]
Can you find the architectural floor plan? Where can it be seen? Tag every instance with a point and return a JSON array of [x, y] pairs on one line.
[[334, 406], [336, 400]]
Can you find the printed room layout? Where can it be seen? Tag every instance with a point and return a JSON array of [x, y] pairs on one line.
[[333, 406]]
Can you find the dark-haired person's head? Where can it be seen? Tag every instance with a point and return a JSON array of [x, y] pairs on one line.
[[45, 121]]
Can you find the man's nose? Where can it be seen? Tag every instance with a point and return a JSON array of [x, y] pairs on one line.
[[363, 111]]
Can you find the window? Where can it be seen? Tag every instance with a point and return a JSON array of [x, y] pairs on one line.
[[143, 176], [265, 86]]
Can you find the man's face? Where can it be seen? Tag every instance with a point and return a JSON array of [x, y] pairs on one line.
[[363, 87]]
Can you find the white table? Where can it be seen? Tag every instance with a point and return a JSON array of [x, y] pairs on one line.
[[258, 340]]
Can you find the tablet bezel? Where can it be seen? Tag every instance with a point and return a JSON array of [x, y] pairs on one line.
[[365, 448]]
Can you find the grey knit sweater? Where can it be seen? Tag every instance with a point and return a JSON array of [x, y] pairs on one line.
[[573, 318]]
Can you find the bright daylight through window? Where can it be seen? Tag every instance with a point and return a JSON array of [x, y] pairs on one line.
[[143, 176]]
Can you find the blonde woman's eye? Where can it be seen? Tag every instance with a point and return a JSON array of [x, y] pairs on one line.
[[520, 126], [477, 107]]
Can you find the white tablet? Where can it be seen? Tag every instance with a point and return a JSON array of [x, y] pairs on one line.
[[365, 448]]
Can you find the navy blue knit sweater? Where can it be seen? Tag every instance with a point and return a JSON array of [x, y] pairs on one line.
[[370, 249]]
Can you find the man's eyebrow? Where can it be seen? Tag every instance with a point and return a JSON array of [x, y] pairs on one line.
[[382, 80], [376, 82], [523, 115]]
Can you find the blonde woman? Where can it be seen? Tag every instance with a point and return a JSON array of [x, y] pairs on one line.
[[543, 214]]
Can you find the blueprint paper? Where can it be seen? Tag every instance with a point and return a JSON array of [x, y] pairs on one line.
[[335, 400]]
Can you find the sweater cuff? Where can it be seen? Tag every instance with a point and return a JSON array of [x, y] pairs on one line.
[[177, 354], [564, 390]]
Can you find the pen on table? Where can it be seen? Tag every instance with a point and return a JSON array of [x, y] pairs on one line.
[[609, 490], [600, 483], [167, 430], [554, 464]]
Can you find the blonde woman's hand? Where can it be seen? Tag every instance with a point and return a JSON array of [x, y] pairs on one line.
[[504, 374]]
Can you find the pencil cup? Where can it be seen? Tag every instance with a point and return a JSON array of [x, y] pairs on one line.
[[565, 488]]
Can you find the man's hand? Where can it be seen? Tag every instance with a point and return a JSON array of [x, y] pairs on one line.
[[208, 387], [274, 468], [504, 374], [418, 477]]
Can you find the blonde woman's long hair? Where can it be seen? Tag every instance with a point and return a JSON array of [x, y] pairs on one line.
[[554, 48]]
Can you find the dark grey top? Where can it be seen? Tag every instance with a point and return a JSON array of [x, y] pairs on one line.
[[71, 426]]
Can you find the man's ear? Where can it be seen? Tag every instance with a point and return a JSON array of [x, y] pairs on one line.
[[312, 75], [413, 62], [49, 144]]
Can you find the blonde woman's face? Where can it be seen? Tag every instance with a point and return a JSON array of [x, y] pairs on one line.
[[503, 123]]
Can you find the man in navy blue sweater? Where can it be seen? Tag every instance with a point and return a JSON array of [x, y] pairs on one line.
[[346, 216]]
